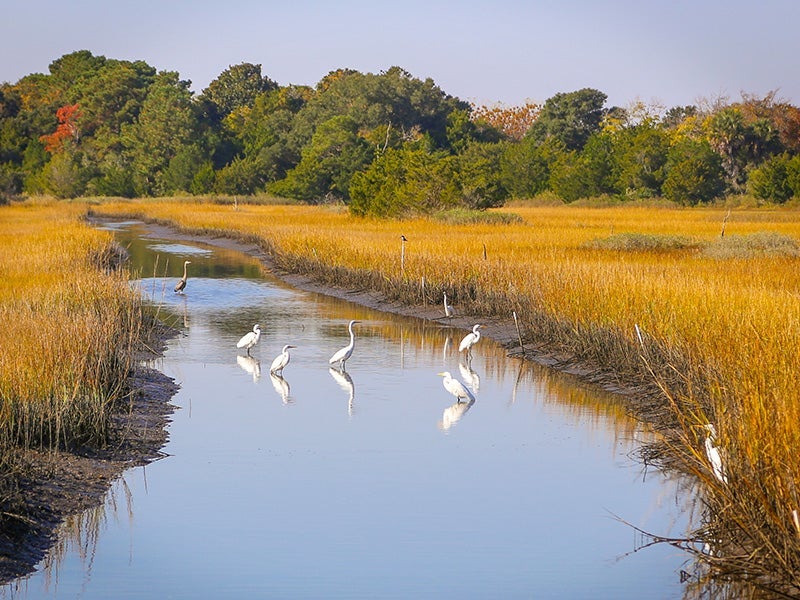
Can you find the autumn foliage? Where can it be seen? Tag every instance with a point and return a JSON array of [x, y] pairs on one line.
[[514, 121], [67, 116]]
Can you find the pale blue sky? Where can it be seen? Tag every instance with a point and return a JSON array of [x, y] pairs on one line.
[[673, 52]]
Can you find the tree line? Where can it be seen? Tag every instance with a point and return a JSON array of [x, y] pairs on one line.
[[385, 144]]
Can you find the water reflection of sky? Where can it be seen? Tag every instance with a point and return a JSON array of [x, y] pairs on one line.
[[369, 483]]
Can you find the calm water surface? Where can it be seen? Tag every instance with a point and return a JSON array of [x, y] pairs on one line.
[[369, 484]]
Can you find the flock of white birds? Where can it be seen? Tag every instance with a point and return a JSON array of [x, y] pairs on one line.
[[451, 384], [341, 356]]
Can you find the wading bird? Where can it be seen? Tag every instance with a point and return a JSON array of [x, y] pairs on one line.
[[181, 285], [342, 355], [470, 340], [250, 338], [713, 454], [281, 360], [455, 387], [448, 308]]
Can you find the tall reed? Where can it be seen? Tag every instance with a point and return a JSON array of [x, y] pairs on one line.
[[718, 321], [68, 327]]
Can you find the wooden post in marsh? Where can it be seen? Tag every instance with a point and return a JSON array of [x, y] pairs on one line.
[[403, 241], [724, 221]]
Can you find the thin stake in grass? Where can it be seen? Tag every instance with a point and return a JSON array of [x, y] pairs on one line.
[[403, 241]]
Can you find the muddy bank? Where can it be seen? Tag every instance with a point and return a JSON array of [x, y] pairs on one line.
[[49, 487]]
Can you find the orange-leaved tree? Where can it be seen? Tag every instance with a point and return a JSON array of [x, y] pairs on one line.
[[514, 121], [67, 128]]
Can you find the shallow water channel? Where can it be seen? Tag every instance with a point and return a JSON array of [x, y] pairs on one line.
[[373, 484]]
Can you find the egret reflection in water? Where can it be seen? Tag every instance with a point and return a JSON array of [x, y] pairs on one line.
[[346, 383], [470, 377], [282, 388], [453, 413], [250, 365]]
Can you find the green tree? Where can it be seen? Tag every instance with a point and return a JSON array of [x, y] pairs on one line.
[[406, 181], [479, 175], [328, 163], [63, 176], [236, 87], [770, 181], [167, 123], [694, 173], [241, 176], [641, 156], [525, 167], [586, 173], [571, 118]]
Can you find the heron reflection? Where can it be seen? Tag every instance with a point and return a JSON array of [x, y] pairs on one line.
[[346, 383], [281, 387], [250, 365], [470, 377], [452, 414]]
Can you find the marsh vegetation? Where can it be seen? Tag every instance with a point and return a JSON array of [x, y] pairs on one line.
[[702, 326]]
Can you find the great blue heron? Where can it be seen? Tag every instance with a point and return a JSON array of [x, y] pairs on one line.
[[250, 338], [281, 360], [342, 355], [470, 340], [455, 387], [181, 285]]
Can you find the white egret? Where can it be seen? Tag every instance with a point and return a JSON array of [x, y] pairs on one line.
[[342, 355], [250, 338], [470, 340], [181, 285], [281, 360], [713, 454], [455, 387], [448, 308]]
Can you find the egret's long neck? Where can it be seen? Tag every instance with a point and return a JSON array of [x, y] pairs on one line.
[[184, 270]]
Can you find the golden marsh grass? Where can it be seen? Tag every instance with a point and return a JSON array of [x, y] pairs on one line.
[[68, 325], [719, 317]]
